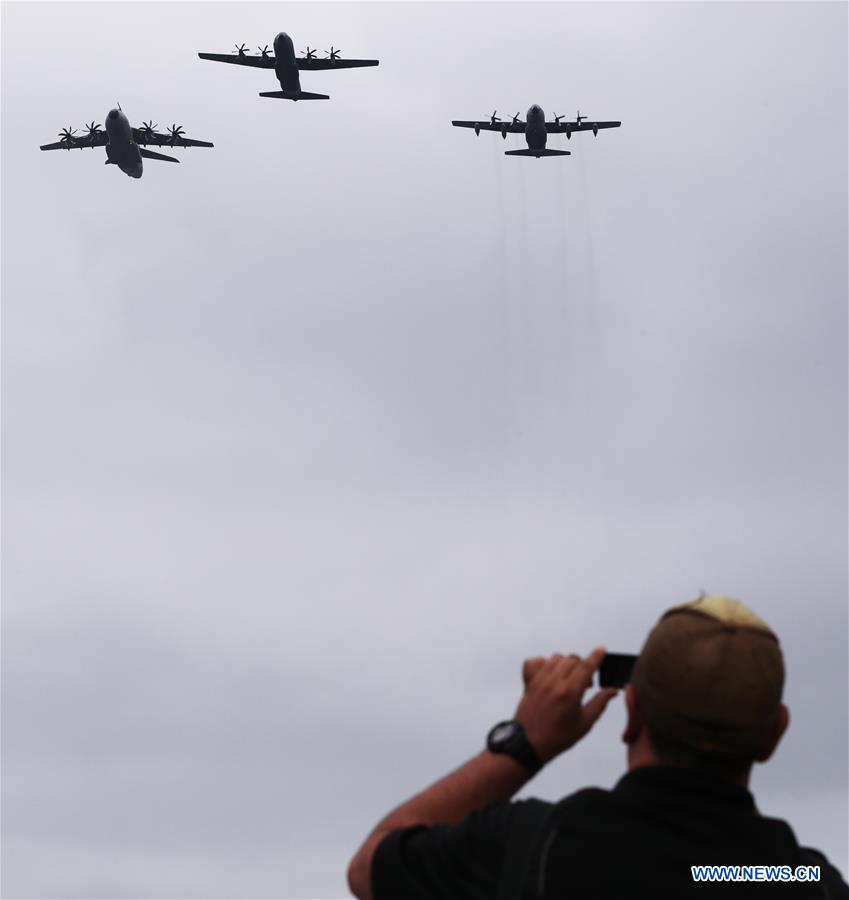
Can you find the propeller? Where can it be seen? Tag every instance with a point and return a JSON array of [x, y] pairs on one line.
[[494, 118], [242, 49], [566, 127], [308, 53], [92, 129], [176, 131], [579, 118], [516, 119], [332, 53], [263, 51], [67, 137], [148, 129]]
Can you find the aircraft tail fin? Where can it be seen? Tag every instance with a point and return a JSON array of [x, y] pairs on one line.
[[537, 153], [150, 154], [290, 95]]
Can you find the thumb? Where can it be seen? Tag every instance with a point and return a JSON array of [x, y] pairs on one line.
[[595, 706]]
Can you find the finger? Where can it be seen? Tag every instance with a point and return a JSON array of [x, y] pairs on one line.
[[595, 658], [567, 663], [595, 706], [531, 667], [574, 663], [589, 667], [553, 664], [540, 668]]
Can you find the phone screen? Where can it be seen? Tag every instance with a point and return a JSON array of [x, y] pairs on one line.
[[615, 669]]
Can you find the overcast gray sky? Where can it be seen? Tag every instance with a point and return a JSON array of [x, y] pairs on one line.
[[310, 440]]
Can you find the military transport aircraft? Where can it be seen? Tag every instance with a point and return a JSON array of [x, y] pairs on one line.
[[536, 130], [287, 66], [122, 142]]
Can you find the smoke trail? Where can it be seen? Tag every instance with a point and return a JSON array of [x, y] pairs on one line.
[[507, 298], [591, 301], [502, 293], [525, 294]]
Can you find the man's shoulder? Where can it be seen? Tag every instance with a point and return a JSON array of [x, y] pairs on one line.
[[492, 844], [533, 810], [533, 822], [579, 803]]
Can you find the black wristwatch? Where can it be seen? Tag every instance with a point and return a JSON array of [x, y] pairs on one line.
[[510, 738]]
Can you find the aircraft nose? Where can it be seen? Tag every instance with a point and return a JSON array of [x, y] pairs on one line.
[[113, 114]]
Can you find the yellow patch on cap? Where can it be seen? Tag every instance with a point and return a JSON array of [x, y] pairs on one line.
[[725, 609]]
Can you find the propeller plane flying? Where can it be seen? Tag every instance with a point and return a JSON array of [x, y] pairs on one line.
[[122, 141], [536, 130], [287, 67]]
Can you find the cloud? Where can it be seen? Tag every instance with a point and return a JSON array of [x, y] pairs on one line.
[[308, 441]]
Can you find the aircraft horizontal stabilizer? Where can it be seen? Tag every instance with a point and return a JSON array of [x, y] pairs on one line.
[[537, 153], [288, 95], [150, 154]]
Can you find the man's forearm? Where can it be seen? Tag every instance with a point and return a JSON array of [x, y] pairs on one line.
[[553, 716], [486, 778]]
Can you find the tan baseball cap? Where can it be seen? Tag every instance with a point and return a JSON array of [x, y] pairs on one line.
[[709, 678]]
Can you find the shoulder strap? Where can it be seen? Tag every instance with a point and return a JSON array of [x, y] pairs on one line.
[[569, 807], [522, 848]]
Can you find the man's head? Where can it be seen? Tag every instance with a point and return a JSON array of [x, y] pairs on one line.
[[706, 690]]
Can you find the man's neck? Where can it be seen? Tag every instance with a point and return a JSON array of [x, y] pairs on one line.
[[641, 754]]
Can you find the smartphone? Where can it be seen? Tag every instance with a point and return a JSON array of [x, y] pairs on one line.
[[615, 669]]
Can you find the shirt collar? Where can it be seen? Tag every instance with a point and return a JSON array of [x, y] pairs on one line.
[[679, 782]]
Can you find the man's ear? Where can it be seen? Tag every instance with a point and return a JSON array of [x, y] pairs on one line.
[[782, 720], [634, 725]]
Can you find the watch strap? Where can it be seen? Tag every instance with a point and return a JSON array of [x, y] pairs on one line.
[[516, 746], [525, 754]]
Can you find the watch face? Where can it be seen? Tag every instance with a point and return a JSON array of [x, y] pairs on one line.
[[502, 733]]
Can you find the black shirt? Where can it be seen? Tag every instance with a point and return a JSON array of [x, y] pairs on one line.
[[638, 840]]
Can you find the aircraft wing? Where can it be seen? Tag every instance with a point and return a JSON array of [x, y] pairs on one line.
[[571, 127], [502, 127], [314, 65], [144, 137], [187, 142], [156, 139], [98, 139], [241, 59]]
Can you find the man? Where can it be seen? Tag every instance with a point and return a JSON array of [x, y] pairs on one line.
[[703, 705]]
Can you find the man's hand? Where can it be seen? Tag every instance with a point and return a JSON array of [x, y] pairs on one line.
[[553, 718], [551, 709]]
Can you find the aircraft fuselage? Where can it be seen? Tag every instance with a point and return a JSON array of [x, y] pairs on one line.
[[122, 150], [535, 133], [285, 66]]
